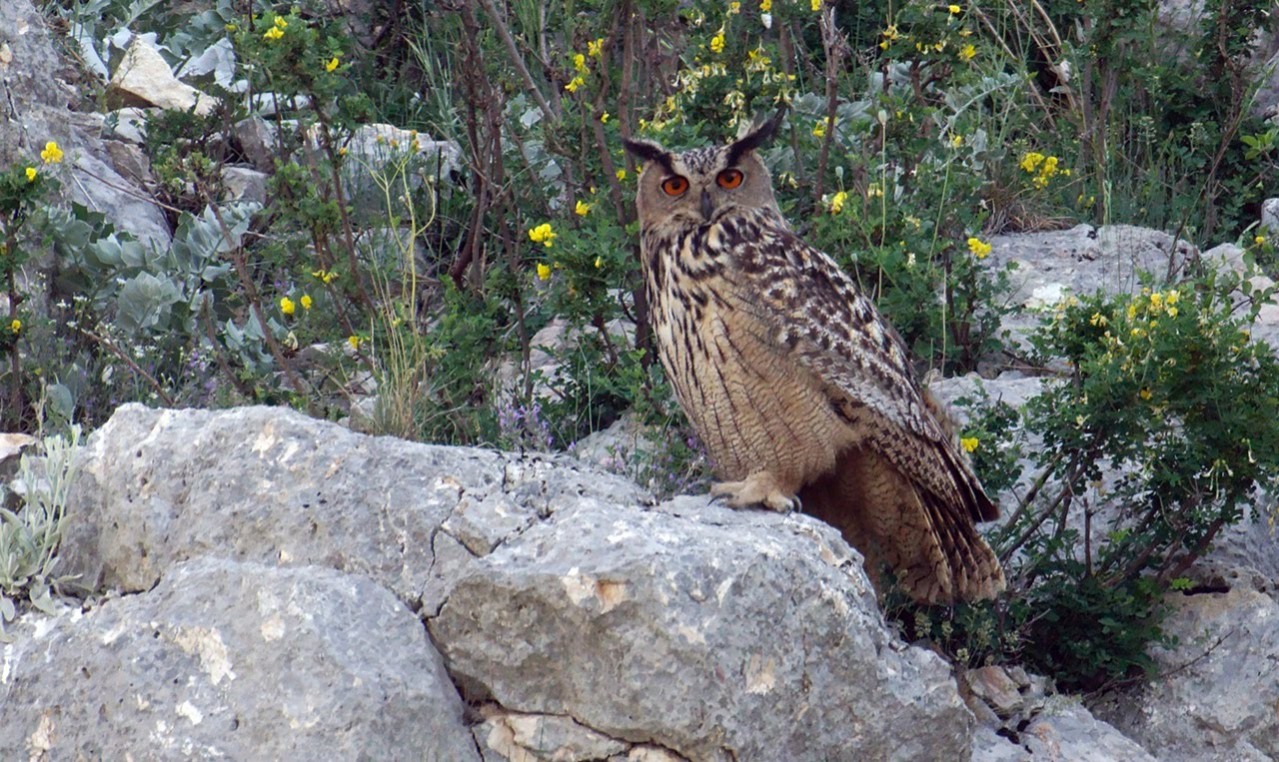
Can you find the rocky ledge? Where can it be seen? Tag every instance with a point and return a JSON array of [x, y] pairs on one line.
[[283, 588]]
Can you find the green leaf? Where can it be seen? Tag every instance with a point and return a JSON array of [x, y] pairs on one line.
[[145, 303]]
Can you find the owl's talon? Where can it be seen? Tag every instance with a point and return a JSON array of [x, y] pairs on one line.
[[758, 489]]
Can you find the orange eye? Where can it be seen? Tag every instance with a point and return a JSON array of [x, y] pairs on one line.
[[674, 186], [730, 178]]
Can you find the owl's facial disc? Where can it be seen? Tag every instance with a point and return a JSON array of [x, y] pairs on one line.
[[708, 206]]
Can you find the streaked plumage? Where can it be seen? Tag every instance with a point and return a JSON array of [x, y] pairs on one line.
[[795, 382]]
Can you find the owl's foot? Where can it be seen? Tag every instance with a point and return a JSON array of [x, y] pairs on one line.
[[758, 489]]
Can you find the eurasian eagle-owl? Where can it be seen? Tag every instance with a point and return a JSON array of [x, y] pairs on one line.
[[801, 391]]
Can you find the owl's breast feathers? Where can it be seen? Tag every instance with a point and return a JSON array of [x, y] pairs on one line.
[[748, 275]]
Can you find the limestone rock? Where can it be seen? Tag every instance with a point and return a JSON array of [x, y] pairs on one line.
[[1270, 215], [1063, 731], [244, 184], [234, 661], [513, 736], [589, 621], [144, 78], [1082, 260], [129, 160], [1245, 555], [376, 149], [671, 626], [1217, 698], [1086, 259], [127, 124], [256, 140], [274, 486], [37, 111]]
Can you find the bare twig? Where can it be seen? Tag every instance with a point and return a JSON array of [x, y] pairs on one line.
[[500, 25], [133, 366]]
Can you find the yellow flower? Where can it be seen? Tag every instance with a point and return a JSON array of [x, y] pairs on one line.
[[620, 174], [1097, 319], [595, 48], [579, 63], [324, 276], [354, 341], [1156, 301], [1173, 296], [543, 271], [31, 174], [542, 234], [286, 305], [890, 36], [969, 444], [604, 118], [15, 325], [717, 42], [734, 8], [819, 130], [305, 301], [967, 52], [1145, 393], [979, 248], [1260, 240], [51, 153], [837, 202], [274, 33], [575, 83], [1031, 161], [582, 208], [280, 23], [599, 262], [954, 9], [816, 5], [332, 64], [956, 141], [765, 6], [874, 190]]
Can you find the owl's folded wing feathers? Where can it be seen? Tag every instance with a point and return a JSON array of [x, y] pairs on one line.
[[835, 331]]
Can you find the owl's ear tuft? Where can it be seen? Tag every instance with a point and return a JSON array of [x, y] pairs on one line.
[[756, 138], [647, 150]]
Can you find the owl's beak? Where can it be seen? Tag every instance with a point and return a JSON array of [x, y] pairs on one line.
[[707, 207]]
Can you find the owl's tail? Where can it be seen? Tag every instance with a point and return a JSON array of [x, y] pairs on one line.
[[930, 545]]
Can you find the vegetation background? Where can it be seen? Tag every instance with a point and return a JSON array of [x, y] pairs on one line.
[[398, 276]]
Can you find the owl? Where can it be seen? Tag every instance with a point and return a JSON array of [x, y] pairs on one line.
[[802, 393]]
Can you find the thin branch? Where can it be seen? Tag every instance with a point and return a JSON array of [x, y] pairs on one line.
[[113, 349], [500, 25]]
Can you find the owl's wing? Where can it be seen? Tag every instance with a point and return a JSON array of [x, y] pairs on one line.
[[818, 316]]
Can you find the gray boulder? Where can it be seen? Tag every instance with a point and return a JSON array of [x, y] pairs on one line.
[[38, 109], [715, 633], [1064, 731], [1215, 700], [579, 619], [276, 487], [236, 661], [1083, 260], [1086, 259]]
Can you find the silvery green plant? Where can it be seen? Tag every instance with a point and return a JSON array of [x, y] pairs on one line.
[[29, 538]]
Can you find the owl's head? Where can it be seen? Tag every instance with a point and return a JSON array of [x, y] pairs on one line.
[[696, 187]]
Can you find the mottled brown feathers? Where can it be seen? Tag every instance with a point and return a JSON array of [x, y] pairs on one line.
[[794, 381]]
